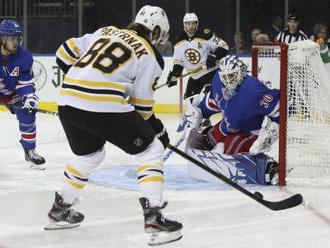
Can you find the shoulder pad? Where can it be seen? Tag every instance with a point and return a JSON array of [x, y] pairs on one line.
[[24, 55], [205, 34], [179, 42]]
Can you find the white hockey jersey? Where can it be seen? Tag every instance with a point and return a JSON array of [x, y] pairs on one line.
[[113, 70], [191, 53]]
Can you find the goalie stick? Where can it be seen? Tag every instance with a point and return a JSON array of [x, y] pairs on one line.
[[44, 111], [290, 202]]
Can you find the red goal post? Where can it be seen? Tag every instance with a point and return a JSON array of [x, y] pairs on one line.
[[297, 70], [256, 48]]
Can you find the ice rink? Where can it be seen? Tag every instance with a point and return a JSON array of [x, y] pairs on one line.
[[212, 218]]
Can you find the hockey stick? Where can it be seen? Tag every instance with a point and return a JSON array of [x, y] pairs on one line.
[[168, 154], [290, 202], [44, 111], [184, 75], [203, 68]]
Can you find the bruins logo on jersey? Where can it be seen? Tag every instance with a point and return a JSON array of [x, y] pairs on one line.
[[193, 56]]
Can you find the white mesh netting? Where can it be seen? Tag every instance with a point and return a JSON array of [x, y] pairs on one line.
[[308, 119]]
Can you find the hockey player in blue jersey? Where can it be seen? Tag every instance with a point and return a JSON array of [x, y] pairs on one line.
[[17, 87], [249, 125]]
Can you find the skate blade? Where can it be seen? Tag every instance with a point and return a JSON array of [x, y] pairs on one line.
[[37, 166], [60, 225], [162, 238]]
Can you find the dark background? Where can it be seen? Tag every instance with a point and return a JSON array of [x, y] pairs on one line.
[[46, 33]]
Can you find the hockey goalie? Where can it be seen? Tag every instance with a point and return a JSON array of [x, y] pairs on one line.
[[236, 146]]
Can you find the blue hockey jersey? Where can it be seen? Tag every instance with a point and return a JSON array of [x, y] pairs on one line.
[[16, 74], [245, 111]]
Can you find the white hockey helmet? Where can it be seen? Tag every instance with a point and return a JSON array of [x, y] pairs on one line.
[[190, 17], [232, 72], [151, 17]]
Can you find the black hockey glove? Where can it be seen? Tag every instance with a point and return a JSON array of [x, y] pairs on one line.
[[211, 61], [160, 130], [207, 143], [171, 79], [175, 73]]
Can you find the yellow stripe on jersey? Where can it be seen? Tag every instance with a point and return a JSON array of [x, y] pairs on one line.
[[224, 45], [94, 84], [199, 39], [74, 47], [180, 42], [95, 98], [143, 40], [194, 69], [66, 56], [137, 101], [145, 115]]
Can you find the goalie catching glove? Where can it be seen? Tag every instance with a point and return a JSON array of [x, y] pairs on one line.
[[31, 101], [160, 130], [267, 136]]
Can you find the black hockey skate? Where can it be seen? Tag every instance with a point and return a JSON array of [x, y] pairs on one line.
[[61, 215], [36, 161], [162, 230], [272, 172]]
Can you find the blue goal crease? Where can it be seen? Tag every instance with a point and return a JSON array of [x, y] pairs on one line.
[[176, 178]]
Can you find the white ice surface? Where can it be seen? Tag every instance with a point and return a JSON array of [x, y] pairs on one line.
[[214, 218]]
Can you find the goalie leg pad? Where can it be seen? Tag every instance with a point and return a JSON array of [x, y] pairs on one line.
[[267, 136], [240, 168]]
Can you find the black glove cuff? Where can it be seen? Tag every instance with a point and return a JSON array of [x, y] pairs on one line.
[[220, 53], [177, 70], [156, 124]]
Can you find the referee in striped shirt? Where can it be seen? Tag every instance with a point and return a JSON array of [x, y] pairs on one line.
[[292, 33]]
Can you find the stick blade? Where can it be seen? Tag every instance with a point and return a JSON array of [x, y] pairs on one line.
[[290, 202]]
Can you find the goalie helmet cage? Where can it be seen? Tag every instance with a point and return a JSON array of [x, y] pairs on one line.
[[298, 71]]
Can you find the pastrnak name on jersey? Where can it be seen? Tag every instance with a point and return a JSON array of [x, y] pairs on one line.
[[127, 36]]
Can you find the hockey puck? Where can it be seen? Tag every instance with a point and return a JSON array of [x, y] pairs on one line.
[[258, 195]]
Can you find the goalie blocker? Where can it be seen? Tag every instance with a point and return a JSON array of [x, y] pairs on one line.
[[240, 168]]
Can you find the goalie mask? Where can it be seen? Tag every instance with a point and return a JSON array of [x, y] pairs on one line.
[[151, 17], [232, 72], [190, 23]]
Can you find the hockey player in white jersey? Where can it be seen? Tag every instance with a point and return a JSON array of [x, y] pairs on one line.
[[197, 50], [107, 95]]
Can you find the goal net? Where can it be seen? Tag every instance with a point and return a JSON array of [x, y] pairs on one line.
[[304, 143]]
